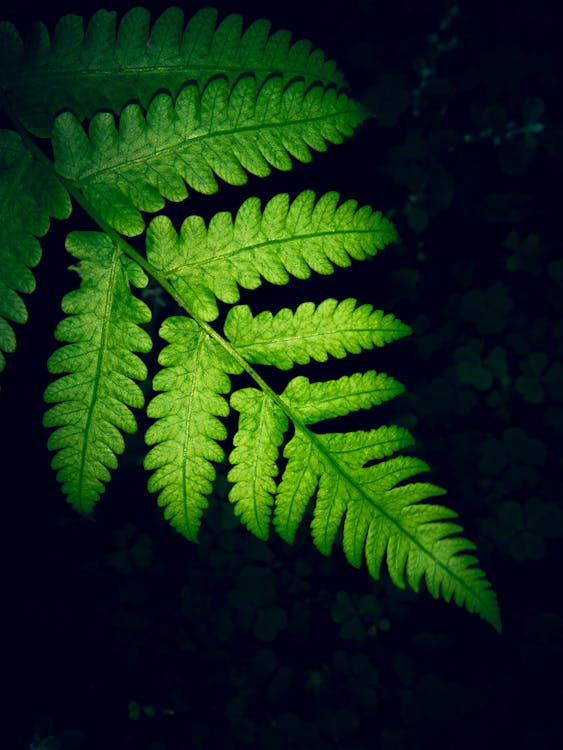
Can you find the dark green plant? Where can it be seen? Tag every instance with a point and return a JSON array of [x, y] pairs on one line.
[[135, 115]]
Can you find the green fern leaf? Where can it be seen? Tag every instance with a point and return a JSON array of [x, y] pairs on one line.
[[92, 400], [30, 195], [285, 238], [194, 375], [107, 65], [313, 402], [224, 131], [297, 486], [260, 433], [332, 328]]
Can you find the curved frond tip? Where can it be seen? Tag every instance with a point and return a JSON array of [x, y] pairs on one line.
[[358, 486]]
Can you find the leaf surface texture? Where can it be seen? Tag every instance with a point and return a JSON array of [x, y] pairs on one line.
[[99, 367]]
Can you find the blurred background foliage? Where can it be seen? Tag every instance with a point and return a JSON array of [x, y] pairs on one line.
[[123, 635]]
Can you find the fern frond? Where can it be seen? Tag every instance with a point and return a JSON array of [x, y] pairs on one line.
[[224, 131], [30, 195], [282, 239], [356, 482], [386, 520], [332, 328], [170, 108], [357, 487], [194, 376], [93, 399], [108, 65]]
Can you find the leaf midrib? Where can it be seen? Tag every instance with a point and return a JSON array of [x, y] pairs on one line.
[[198, 262], [59, 75], [157, 155], [102, 350]]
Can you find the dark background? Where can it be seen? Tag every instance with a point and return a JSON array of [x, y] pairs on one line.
[[122, 634]]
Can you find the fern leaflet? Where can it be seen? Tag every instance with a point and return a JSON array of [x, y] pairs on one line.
[[105, 66], [333, 328], [92, 400], [193, 378], [285, 238]]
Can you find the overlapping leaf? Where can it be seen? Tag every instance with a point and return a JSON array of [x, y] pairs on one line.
[[220, 131], [106, 65], [29, 195], [98, 366], [284, 238]]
